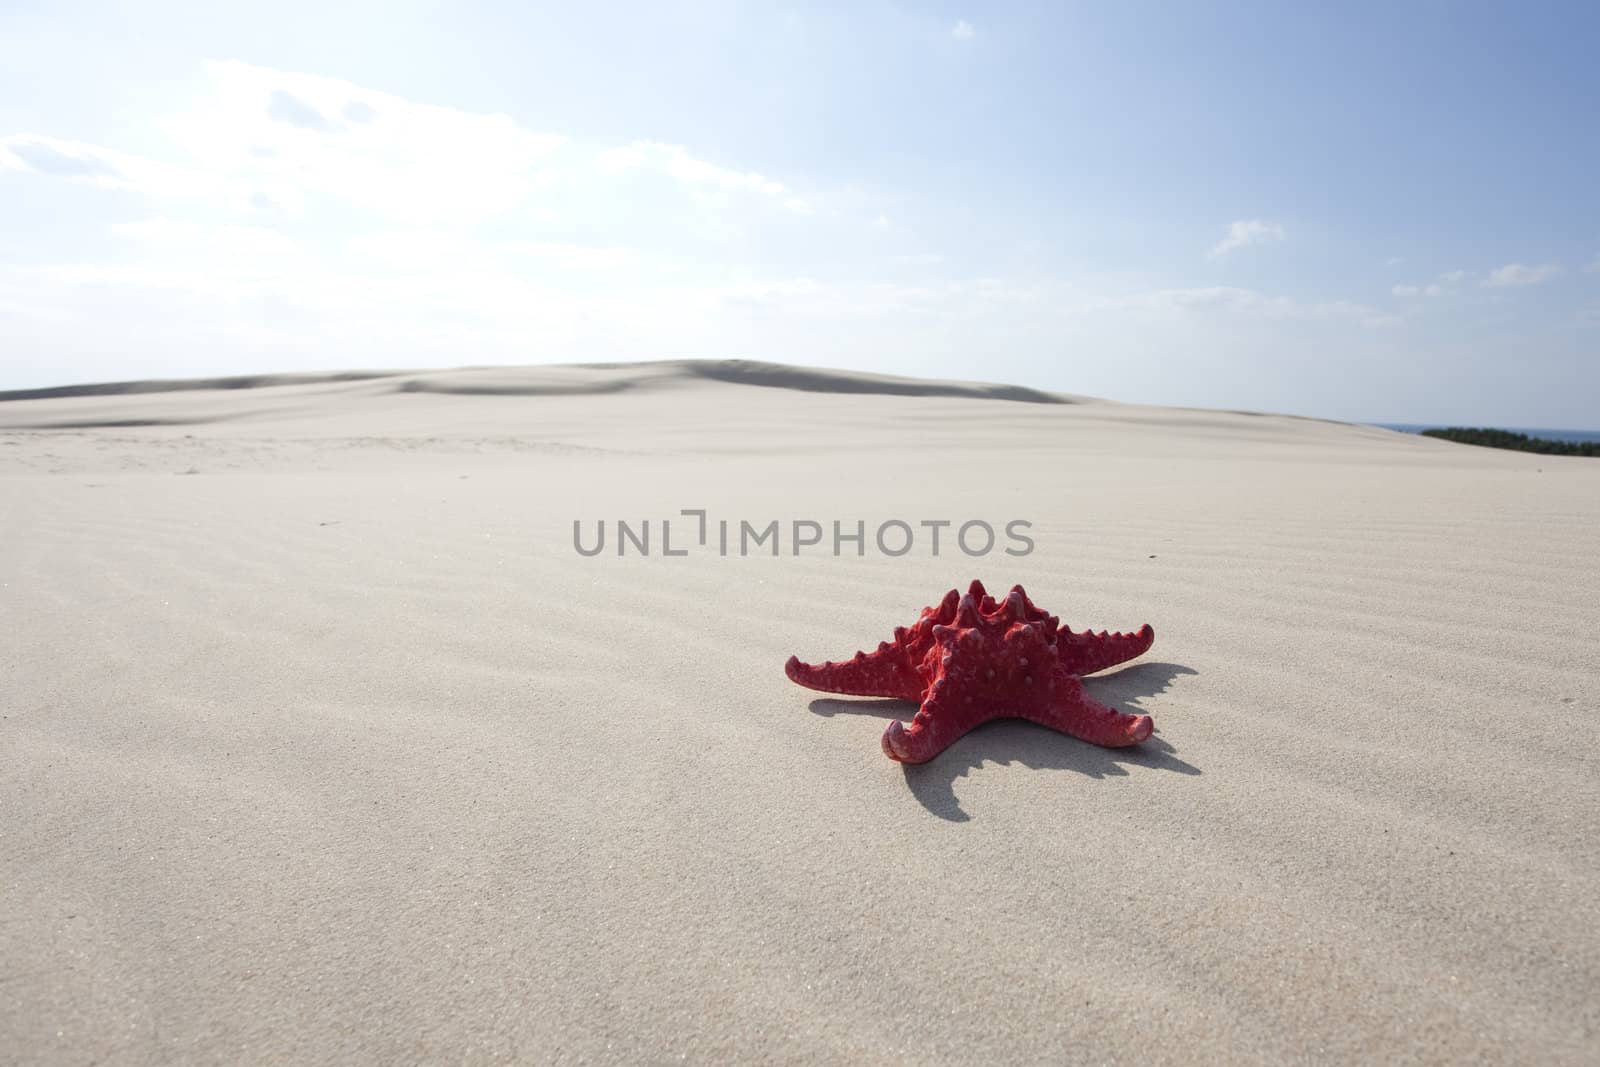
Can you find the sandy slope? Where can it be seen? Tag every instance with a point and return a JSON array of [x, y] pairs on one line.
[[320, 742]]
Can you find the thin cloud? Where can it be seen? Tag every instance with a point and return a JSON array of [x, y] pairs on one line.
[[1446, 284], [286, 107], [676, 162], [42, 158], [1246, 232], [89, 164], [962, 30], [1516, 275], [1235, 300]]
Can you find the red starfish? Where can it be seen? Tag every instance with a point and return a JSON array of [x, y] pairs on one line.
[[972, 659]]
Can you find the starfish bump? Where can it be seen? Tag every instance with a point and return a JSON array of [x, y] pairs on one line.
[[972, 658]]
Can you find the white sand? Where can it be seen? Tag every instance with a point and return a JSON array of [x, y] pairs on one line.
[[321, 744]]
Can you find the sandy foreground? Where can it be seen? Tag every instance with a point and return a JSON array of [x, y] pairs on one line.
[[321, 743]]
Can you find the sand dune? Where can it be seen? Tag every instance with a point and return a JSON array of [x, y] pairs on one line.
[[177, 385], [321, 743], [568, 380]]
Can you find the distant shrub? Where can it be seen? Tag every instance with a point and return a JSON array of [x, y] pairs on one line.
[[1517, 442]]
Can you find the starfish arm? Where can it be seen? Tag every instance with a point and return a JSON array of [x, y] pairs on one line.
[[1087, 652], [969, 675], [884, 673], [938, 724], [891, 671], [1072, 711]]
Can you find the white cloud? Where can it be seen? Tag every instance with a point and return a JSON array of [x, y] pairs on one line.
[[63, 159], [1410, 291], [89, 164], [1514, 275], [297, 138], [249, 243], [1246, 232], [286, 107], [266, 146], [676, 162], [1510, 276], [962, 30], [1447, 283], [1251, 302]]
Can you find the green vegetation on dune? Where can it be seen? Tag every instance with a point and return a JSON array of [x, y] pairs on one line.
[[1519, 442]]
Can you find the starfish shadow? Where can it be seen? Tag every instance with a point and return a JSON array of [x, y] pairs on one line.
[[1006, 741], [883, 709]]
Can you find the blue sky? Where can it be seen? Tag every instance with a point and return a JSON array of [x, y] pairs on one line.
[[1380, 212]]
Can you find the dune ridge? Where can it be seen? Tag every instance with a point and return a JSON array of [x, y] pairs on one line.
[[173, 385], [561, 380]]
